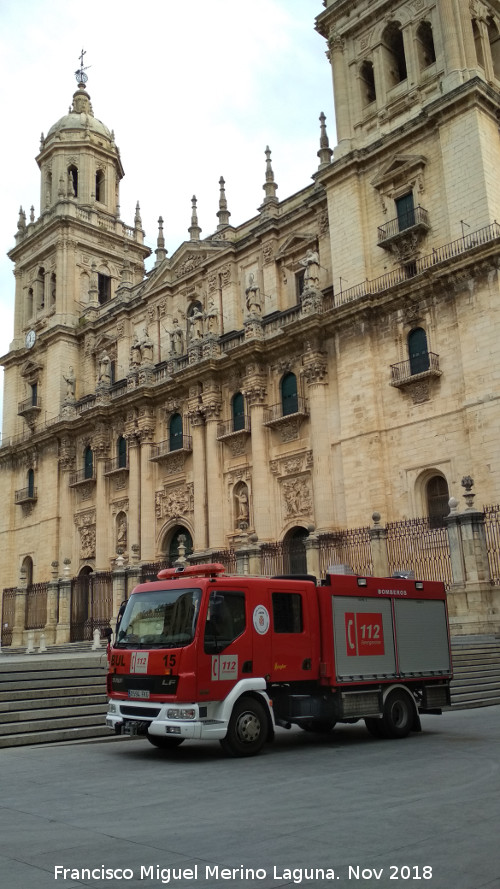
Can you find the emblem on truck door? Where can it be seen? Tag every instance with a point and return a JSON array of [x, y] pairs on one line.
[[261, 619]]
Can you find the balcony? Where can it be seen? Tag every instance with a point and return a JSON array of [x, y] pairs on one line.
[[81, 476], [116, 465], [26, 495], [234, 428], [408, 372], [274, 417], [165, 450], [403, 235], [30, 407]]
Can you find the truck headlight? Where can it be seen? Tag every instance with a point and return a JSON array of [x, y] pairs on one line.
[[112, 708], [184, 713]]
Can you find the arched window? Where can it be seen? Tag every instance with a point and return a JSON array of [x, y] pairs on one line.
[[40, 286], [73, 181], [121, 452], [30, 303], [367, 77], [437, 497], [175, 432], [418, 353], [494, 39], [99, 186], [31, 483], [289, 394], [425, 45], [392, 40], [53, 289], [478, 42], [27, 569], [88, 462], [238, 410]]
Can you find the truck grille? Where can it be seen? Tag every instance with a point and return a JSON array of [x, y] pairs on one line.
[[141, 712]]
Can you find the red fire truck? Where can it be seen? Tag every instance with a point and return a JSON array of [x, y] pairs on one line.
[[206, 655]]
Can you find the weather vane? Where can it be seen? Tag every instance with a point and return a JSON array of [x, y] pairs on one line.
[[80, 73]]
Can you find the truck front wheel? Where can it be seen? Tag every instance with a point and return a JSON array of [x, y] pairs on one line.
[[398, 715], [247, 730]]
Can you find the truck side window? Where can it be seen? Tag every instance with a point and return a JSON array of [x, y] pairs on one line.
[[225, 620], [287, 613]]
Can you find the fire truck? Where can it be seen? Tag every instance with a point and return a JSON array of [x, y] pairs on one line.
[[201, 654]]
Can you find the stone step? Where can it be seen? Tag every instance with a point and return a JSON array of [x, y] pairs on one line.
[[75, 733], [60, 693], [8, 709], [93, 718]]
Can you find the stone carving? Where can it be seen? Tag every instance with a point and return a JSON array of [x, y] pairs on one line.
[[121, 532], [147, 348], [105, 369], [70, 381], [242, 503], [176, 339], [173, 503], [135, 352], [311, 273], [297, 499]]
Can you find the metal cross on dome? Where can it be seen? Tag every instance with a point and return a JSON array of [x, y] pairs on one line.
[[80, 73]]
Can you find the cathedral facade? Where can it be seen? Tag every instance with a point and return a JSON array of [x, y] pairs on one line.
[[332, 357]]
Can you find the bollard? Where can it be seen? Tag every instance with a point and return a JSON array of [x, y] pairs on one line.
[[31, 643], [42, 646], [96, 644]]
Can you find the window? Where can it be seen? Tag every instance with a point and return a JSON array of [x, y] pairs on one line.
[[121, 449], [299, 283], [289, 394], [367, 77], [437, 496], [73, 181], [417, 351], [494, 39], [225, 620], [287, 612], [478, 43], [392, 40], [103, 288], [88, 463], [175, 432], [405, 211], [238, 410], [34, 394], [40, 286], [31, 483], [425, 45], [99, 186]]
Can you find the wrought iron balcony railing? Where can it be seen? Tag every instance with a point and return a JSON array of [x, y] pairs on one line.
[[166, 448], [277, 413], [26, 495], [408, 371], [230, 428], [29, 405], [116, 464], [81, 476], [416, 219]]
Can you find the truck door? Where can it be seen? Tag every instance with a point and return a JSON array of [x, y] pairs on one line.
[[294, 649], [225, 655]]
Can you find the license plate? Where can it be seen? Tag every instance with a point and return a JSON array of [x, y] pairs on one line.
[[138, 693]]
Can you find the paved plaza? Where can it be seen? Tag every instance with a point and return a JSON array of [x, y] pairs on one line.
[[342, 811]]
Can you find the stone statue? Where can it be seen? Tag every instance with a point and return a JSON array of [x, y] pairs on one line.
[[147, 347], [311, 266], [254, 301], [177, 339], [70, 381], [135, 352], [196, 324], [121, 533], [242, 500], [105, 369]]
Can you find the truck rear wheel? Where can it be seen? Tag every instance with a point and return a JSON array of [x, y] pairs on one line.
[[164, 743], [398, 715], [247, 730]]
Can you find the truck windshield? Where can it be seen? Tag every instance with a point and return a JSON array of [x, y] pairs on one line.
[[159, 619]]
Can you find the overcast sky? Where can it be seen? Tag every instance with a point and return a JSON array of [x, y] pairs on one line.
[[193, 90]]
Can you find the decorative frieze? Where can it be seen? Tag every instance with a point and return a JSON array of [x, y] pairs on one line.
[[174, 502]]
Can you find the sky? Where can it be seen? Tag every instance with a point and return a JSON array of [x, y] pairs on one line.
[[193, 91]]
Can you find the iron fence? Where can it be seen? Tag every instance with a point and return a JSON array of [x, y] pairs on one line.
[[350, 547], [492, 531], [36, 606], [413, 545], [149, 571], [91, 604], [8, 614]]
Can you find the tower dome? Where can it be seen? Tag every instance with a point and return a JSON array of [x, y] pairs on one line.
[[80, 118]]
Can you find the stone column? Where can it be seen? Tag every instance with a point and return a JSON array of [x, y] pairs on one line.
[[19, 616], [147, 517], [255, 395], [311, 544], [341, 93], [378, 546], [451, 45], [52, 606], [119, 588], [102, 552], [134, 487], [63, 629], [315, 373], [215, 504], [197, 420]]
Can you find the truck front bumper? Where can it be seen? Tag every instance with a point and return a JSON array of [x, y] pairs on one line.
[[186, 721]]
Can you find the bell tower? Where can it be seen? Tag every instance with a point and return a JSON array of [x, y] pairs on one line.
[[69, 261], [417, 96]]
